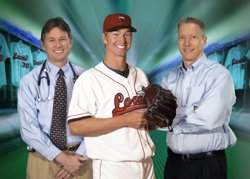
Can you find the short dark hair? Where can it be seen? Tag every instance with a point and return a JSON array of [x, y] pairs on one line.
[[197, 21], [55, 22]]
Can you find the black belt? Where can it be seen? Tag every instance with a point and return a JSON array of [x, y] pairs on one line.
[[71, 148], [189, 157]]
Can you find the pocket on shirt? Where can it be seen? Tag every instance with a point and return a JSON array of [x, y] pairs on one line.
[[195, 95]]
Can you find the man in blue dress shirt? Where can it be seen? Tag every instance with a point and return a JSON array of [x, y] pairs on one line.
[[35, 105], [205, 96]]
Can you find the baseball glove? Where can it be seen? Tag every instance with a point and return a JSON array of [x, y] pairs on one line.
[[161, 106]]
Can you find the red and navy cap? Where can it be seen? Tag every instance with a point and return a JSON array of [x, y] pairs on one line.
[[117, 21]]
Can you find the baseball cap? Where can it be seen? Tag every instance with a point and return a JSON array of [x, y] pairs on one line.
[[117, 21]]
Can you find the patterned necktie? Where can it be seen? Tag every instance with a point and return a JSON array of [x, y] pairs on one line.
[[58, 126]]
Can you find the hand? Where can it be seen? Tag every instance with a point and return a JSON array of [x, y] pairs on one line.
[[135, 119], [70, 163], [63, 174]]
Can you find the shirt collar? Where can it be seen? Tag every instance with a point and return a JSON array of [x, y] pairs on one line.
[[124, 73], [195, 67], [54, 69]]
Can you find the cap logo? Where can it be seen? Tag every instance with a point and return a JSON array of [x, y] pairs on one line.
[[122, 18]]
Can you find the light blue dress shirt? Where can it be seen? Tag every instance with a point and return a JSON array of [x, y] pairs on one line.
[[205, 96], [35, 115]]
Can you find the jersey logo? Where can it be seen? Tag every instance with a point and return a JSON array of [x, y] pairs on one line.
[[19, 57], [37, 62], [122, 18], [236, 61], [137, 102]]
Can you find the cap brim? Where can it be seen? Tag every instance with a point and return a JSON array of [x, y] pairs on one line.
[[121, 27]]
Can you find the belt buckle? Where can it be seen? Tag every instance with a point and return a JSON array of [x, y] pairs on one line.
[[72, 147], [209, 154], [186, 157]]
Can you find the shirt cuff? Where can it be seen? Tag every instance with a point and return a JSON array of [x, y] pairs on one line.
[[184, 111], [177, 129], [51, 154]]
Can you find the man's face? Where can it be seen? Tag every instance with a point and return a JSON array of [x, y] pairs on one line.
[[191, 42], [117, 42], [57, 45]]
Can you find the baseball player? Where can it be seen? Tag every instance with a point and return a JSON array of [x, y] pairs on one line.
[[106, 107], [21, 61], [235, 62]]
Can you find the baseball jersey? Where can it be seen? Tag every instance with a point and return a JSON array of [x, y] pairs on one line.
[[38, 57], [248, 54], [21, 61], [102, 93], [216, 56], [4, 54], [235, 62], [248, 58]]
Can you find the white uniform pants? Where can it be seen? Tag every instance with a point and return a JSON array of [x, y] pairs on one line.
[[103, 169]]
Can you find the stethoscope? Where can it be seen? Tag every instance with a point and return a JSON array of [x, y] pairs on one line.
[[40, 77]]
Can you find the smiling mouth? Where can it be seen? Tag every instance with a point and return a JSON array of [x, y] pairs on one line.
[[187, 50], [121, 46], [58, 51]]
